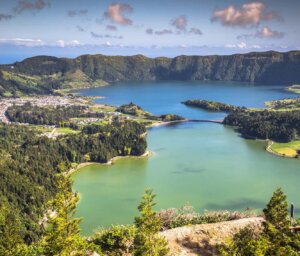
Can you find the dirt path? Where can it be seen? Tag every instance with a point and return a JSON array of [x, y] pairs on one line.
[[269, 150], [202, 239], [52, 134]]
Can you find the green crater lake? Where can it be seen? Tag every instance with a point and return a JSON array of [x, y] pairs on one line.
[[206, 165]]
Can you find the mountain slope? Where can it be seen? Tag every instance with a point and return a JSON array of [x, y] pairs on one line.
[[94, 70]]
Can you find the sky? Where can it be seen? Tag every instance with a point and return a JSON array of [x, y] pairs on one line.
[[70, 28]]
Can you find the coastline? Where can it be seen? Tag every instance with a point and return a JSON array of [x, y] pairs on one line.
[[269, 150], [147, 154]]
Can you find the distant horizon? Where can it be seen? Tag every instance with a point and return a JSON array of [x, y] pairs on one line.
[[153, 28]]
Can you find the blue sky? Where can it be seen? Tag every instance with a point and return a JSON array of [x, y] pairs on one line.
[[154, 28]]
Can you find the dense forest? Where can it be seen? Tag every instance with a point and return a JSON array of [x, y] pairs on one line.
[[45, 74], [30, 114], [211, 105], [29, 163], [130, 109], [281, 126]]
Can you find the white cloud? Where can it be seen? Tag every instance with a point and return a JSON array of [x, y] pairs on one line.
[[266, 32], [179, 22], [63, 43], [22, 41], [241, 45], [256, 46], [37, 42], [115, 13], [107, 43], [250, 14]]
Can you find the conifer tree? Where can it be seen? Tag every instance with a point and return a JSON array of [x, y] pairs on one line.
[[275, 239], [11, 229], [276, 227], [63, 235], [147, 241]]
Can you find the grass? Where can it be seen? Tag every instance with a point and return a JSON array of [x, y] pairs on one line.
[[294, 88], [66, 130], [287, 149], [283, 105], [40, 128], [7, 94]]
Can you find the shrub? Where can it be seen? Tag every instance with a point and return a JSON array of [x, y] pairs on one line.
[[247, 242], [173, 218], [116, 240], [276, 238]]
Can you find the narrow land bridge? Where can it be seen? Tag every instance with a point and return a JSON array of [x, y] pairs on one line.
[[205, 121]]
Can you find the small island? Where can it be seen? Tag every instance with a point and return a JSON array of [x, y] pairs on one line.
[[295, 88], [211, 105]]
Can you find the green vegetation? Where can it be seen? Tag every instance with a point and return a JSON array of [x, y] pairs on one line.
[[116, 240], [66, 130], [280, 126], [211, 105], [147, 241], [30, 162], [142, 239], [284, 104], [290, 149], [276, 238], [137, 111], [46, 74], [59, 115], [280, 122], [131, 109], [17, 84], [11, 229], [62, 236], [173, 218], [170, 118], [294, 88]]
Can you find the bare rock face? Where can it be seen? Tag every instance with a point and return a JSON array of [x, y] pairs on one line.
[[203, 239]]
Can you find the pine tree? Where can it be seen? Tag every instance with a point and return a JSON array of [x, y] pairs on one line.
[[63, 235], [11, 229], [276, 227], [276, 212], [276, 239], [148, 224]]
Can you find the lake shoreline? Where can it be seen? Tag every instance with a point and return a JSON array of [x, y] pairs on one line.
[[147, 154], [271, 151]]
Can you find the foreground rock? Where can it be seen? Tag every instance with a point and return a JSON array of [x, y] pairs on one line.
[[203, 239]]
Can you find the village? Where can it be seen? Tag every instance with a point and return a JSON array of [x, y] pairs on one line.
[[40, 101], [109, 113]]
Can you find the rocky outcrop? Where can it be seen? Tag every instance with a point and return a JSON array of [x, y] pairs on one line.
[[203, 239]]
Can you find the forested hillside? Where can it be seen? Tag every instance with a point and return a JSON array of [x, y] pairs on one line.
[[282, 126], [29, 163], [43, 74]]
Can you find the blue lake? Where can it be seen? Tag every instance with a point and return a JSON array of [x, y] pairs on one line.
[[206, 165]]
